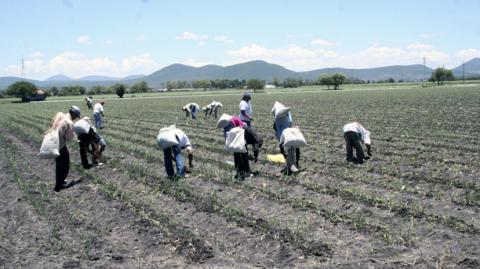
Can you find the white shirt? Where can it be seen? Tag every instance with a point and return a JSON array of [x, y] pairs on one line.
[[247, 106], [183, 140], [97, 108], [357, 128]]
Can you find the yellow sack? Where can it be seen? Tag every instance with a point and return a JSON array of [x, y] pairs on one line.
[[276, 158]]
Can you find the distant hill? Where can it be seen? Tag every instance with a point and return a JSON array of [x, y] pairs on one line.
[[59, 78], [472, 69], [247, 70]]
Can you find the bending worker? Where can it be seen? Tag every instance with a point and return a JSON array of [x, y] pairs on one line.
[[191, 108], [355, 135], [88, 137], [175, 153]]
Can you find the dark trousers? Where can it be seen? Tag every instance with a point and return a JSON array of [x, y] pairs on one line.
[[171, 154], [297, 155], [62, 166], [352, 140], [241, 163], [87, 140]]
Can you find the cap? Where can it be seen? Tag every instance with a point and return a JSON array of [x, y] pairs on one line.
[[247, 94], [75, 110]]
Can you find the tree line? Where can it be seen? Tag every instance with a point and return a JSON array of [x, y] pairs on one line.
[[24, 89]]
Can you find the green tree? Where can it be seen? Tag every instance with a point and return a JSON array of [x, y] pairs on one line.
[[119, 89], [326, 80], [22, 89], [441, 74], [53, 91], [338, 80], [255, 84], [139, 87]]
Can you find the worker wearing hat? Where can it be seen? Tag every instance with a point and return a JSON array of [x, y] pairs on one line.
[[246, 110], [98, 115], [64, 124], [88, 137]]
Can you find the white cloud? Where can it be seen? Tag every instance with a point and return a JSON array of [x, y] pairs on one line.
[[223, 39], [303, 58], [467, 54], [195, 63], [419, 46], [84, 40], [139, 64], [75, 64], [322, 42], [36, 54], [191, 36], [141, 38]]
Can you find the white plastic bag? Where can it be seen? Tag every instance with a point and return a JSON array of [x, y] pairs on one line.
[[224, 120], [82, 126], [235, 141], [50, 148], [166, 137], [292, 137], [279, 110]]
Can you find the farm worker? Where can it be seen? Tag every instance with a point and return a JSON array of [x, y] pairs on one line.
[[355, 135], [191, 108], [175, 153], [88, 137], [212, 108], [98, 115], [242, 165], [64, 124], [89, 102], [246, 110], [282, 122], [232, 123]]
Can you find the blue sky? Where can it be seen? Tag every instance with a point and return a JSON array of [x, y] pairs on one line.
[[119, 38]]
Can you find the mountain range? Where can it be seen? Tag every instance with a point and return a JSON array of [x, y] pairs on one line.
[[253, 69]]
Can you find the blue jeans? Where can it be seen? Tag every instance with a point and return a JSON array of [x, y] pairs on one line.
[[194, 113], [98, 120], [168, 155]]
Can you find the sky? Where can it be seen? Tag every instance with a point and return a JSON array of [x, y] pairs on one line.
[[117, 38]]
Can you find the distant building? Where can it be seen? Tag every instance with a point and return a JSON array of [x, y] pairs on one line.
[[270, 86]]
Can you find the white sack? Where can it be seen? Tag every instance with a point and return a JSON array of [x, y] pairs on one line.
[[292, 137], [235, 141], [50, 145], [279, 110], [166, 137], [223, 120], [82, 127]]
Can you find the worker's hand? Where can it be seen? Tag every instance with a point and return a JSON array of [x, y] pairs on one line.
[[369, 150], [274, 127]]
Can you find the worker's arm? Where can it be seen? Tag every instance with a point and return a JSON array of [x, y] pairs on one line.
[[190, 157], [244, 113], [369, 149]]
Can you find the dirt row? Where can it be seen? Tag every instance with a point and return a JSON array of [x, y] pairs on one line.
[[228, 193]]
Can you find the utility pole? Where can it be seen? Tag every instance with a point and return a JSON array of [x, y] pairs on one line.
[[23, 69], [424, 71]]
